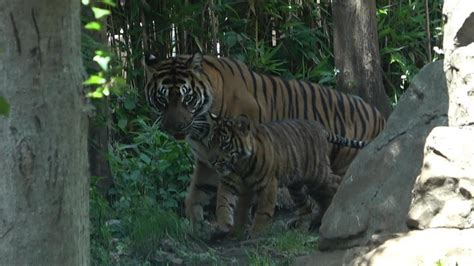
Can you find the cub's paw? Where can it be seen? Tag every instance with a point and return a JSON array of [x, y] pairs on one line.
[[194, 212], [202, 229], [220, 232]]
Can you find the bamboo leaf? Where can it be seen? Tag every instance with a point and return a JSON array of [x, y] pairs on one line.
[[100, 12], [93, 25], [103, 61], [94, 79]]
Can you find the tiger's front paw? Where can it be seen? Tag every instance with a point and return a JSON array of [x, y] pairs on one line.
[[194, 212], [221, 232], [256, 232], [203, 230]]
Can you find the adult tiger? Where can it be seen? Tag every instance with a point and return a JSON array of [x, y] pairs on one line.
[[183, 89], [254, 161]]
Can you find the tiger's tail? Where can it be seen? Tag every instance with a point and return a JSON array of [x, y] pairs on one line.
[[343, 141]]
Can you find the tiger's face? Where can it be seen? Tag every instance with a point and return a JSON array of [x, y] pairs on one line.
[[178, 92], [230, 143]]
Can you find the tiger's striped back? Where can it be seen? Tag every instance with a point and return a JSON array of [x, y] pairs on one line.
[[276, 99]]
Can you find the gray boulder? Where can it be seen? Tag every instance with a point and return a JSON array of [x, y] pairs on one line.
[[375, 194]]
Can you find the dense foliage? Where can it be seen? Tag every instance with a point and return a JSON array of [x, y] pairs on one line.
[[289, 38]]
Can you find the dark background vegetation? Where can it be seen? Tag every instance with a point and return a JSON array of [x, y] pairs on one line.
[[148, 170]]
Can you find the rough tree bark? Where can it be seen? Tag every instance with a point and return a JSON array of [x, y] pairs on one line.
[[44, 186], [356, 52]]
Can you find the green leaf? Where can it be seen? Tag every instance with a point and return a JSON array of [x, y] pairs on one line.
[[108, 2], [94, 79], [93, 25], [145, 158], [103, 61], [100, 12], [118, 85], [4, 107], [129, 103], [96, 94], [85, 2], [122, 123]]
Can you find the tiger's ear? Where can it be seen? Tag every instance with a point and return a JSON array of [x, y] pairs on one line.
[[150, 59], [195, 62], [243, 124]]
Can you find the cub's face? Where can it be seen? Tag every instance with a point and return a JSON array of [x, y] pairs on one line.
[[230, 143], [178, 92]]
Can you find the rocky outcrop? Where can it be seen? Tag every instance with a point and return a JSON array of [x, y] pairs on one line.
[[458, 46], [375, 195], [420, 247], [444, 191]]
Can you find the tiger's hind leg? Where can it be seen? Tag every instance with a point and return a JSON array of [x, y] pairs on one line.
[[303, 204], [323, 196], [266, 201]]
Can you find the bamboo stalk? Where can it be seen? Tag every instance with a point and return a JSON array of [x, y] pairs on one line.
[[144, 26], [428, 31]]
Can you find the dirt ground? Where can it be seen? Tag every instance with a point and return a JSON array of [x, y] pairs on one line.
[[278, 246]]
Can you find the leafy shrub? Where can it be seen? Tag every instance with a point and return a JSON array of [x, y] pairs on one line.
[[151, 167]]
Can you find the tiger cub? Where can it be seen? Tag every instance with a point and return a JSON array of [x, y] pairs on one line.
[[255, 160]]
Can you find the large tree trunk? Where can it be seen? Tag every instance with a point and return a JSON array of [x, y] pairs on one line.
[[356, 52], [43, 142]]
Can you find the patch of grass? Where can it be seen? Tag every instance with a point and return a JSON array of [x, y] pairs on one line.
[[149, 228], [294, 242], [260, 257], [202, 258]]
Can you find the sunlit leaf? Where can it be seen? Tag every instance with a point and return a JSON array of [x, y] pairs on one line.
[[109, 2], [101, 53], [85, 2], [106, 91], [94, 79], [102, 61], [96, 94], [4, 107], [93, 25], [100, 12]]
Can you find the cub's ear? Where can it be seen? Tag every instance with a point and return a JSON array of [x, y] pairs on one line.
[[195, 62], [150, 59], [243, 124]]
